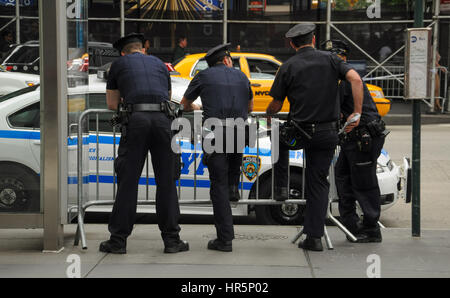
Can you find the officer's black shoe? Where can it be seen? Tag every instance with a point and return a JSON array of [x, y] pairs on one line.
[[220, 245], [368, 235], [281, 194], [310, 243], [111, 247], [176, 246], [233, 191]]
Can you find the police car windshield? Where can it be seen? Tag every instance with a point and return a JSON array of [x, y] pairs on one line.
[[18, 93]]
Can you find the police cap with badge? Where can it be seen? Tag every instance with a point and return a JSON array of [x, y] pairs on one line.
[[130, 38], [339, 47], [217, 53], [300, 30]]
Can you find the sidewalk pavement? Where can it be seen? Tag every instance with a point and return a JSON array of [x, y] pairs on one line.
[[401, 114], [258, 252]]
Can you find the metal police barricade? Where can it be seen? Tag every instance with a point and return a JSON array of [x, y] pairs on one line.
[[253, 200]]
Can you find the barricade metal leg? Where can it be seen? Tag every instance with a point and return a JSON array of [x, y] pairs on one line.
[[296, 237], [327, 238]]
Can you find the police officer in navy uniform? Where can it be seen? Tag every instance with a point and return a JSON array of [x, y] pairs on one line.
[[225, 93], [142, 83], [310, 80], [356, 168]]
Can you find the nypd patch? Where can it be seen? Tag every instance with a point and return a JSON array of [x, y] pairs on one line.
[[251, 166]]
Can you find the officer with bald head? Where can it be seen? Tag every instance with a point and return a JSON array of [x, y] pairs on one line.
[[226, 95]]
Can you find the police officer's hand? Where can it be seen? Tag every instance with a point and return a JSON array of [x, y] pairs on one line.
[[350, 127]]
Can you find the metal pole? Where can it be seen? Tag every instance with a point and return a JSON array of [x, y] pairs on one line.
[[18, 21], [7, 24], [225, 21], [114, 158], [97, 165], [122, 18], [433, 59], [257, 156], [416, 130], [328, 33], [53, 165], [146, 178]]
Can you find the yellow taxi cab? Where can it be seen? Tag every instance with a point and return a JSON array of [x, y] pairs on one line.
[[260, 70]]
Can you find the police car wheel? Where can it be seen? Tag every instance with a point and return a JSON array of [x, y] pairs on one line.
[[284, 214], [19, 190]]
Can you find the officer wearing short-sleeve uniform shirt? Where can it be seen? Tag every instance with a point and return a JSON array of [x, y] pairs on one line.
[[356, 177], [309, 80], [225, 93], [142, 84]]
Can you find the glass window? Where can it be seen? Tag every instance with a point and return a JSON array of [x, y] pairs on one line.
[[202, 64], [104, 8], [29, 30], [378, 40], [163, 36], [362, 10], [277, 10], [24, 54], [262, 69], [29, 8], [27, 117], [181, 10], [104, 31], [98, 101]]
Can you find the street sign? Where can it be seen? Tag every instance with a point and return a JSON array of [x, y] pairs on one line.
[[445, 6], [418, 63]]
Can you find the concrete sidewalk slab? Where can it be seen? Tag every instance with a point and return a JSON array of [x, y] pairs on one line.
[[258, 252], [400, 255]]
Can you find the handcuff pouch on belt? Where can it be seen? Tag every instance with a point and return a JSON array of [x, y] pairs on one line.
[[292, 136], [364, 134], [171, 109]]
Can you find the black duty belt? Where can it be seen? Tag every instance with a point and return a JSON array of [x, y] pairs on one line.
[[319, 126], [145, 107]]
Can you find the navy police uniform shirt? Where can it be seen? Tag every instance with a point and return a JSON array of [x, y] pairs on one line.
[[310, 80], [225, 92], [140, 79], [369, 109]]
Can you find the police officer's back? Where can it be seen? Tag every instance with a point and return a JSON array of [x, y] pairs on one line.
[[310, 80], [141, 84], [226, 94]]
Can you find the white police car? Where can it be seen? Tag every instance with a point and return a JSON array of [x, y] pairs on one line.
[[20, 157], [12, 81]]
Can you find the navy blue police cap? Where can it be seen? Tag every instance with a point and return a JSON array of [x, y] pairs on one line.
[[300, 30], [130, 38], [336, 46], [216, 53]]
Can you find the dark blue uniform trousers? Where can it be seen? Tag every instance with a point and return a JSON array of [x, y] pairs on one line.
[[356, 180], [319, 152], [146, 131], [224, 170]]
